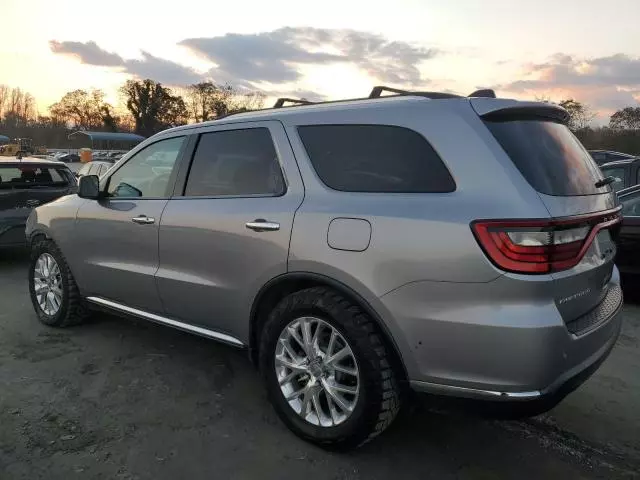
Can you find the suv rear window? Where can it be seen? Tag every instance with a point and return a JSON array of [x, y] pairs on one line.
[[28, 176], [375, 158], [548, 155]]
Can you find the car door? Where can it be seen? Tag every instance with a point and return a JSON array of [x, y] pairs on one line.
[[117, 235], [628, 257], [227, 232]]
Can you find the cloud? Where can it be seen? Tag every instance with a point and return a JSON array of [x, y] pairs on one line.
[[606, 83], [277, 55], [162, 70], [149, 66], [89, 53]]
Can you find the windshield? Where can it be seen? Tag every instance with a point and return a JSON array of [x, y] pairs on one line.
[[549, 156]]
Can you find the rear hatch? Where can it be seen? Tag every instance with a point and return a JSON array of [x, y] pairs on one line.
[[24, 186], [576, 245]]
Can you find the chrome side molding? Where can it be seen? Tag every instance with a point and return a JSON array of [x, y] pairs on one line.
[[222, 337], [436, 388]]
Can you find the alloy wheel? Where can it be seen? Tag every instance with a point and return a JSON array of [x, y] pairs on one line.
[[317, 371], [47, 283]]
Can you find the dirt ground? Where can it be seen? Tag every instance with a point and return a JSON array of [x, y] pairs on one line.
[[120, 399]]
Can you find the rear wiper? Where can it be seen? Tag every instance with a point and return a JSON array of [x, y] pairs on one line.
[[605, 181]]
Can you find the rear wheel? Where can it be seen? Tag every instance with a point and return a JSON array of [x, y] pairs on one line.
[[52, 288], [327, 370]]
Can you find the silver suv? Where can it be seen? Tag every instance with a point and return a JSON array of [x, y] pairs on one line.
[[453, 245]]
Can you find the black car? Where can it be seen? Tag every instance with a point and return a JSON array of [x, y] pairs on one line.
[[628, 259], [605, 156], [24, 185], [626, 172], [69, 158]]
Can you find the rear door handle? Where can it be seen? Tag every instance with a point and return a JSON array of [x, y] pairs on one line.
[[143, 220], [261, 225]]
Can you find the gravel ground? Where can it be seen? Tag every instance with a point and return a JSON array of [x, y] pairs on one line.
[[119, 399]]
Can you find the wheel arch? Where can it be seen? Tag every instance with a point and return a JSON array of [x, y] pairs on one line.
[[279, 287]]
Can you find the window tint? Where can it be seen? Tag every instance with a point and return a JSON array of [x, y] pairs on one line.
[[638, 175], [374, 158], [618, 174], [32, 176], [147, 173], [548, 155], [235, 162], [599, 157], [631, 205]]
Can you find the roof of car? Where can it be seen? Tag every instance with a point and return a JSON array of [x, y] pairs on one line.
[[612, 152], [620, 163], [280, 112], [12, 161], [628, 190]]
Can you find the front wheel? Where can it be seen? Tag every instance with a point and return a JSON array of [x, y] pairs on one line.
[[52, 288], [327, 370]]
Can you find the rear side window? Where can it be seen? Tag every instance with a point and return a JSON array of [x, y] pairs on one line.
[[375, 158], [235, 163], [32, 176], [549, 156]]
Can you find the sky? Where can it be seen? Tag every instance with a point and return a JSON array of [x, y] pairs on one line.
[[556, 49]]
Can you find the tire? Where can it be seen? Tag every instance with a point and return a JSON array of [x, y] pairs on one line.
[[378, 399], [71, 310]]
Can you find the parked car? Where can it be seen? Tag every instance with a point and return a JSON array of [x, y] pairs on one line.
[[628, 257], [452, 245], [69, 158], [605, 156], [24, 185], [626, 172], [94, 168]]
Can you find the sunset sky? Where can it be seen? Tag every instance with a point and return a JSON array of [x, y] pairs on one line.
[[586, 49]]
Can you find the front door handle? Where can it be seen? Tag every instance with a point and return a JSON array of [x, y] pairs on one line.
[[143, 220], [261, 225]]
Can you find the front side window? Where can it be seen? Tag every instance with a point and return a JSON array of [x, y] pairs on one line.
[[631, 205], [147, 173], [235, 163], [375, 158]]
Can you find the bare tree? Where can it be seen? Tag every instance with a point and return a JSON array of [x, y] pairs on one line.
[[207, 101], [580, 115], [626, 119], [85, 110], [4, 95]]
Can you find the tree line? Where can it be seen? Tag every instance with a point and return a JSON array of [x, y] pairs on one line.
[[146, 107]]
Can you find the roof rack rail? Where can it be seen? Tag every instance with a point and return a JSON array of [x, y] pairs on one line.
[[376, 92], [484, 93], [281, 101]]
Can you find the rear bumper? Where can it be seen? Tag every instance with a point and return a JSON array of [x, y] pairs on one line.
[[553, 393], [466, 340]]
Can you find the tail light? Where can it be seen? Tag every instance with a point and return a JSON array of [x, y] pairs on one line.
[[540, 246]]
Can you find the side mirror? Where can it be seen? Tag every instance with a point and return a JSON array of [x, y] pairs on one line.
[[89, 187]]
